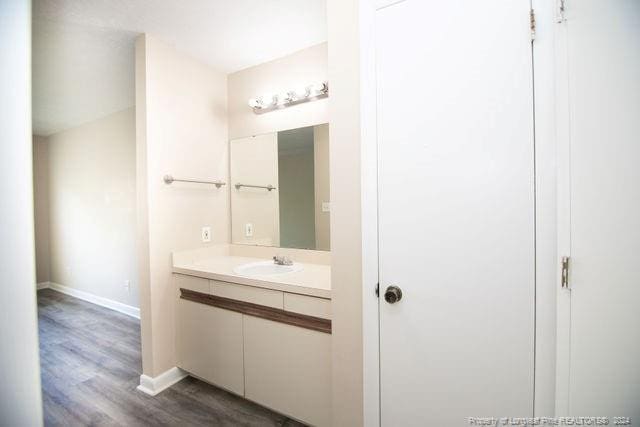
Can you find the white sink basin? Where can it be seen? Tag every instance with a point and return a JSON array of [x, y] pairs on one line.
[[265, 268]]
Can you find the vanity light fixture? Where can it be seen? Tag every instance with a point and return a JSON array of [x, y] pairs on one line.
[[269, 102]]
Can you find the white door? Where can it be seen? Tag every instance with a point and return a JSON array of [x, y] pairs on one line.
[[603, 45], [456, 210]]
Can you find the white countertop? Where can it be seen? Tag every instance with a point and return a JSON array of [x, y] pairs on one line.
[[313, 279]]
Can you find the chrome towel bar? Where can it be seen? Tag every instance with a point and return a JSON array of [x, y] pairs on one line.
[[168, 179], [267, 187]]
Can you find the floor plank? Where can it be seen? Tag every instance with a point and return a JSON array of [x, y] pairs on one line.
[[91, 365]]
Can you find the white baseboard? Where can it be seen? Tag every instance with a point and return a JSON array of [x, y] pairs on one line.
[[43, 285], [153, 386], [104, 302]]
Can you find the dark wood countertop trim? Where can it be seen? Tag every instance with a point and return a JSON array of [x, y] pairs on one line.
[[257, 310]]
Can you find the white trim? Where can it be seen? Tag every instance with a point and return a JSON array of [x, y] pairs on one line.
[[153, 386], [546, 209], [43, 285], [369, 215], [94, 299], [563, 137]]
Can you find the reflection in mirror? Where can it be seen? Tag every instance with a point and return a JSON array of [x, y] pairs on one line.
[[280, 189]]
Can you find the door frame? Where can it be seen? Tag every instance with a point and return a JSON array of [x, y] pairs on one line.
[[552, 206], [563, 138]]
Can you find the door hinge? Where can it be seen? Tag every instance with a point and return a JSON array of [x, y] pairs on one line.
[[532, 24], [560, 11], [378, 290], [565, 272]]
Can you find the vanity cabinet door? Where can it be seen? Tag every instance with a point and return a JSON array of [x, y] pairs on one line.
[[288, 369], [209, 344]]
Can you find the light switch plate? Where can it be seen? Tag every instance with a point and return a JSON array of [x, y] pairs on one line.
[[248, 230], [326, 206], [206, 234]]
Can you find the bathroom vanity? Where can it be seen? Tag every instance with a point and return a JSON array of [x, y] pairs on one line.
[[244, 322], [258, 331]]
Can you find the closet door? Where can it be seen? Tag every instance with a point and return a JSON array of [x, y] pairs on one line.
[[602, 42], [456, 211]]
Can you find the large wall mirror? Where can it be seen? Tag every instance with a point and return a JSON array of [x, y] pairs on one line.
[[280, 189]]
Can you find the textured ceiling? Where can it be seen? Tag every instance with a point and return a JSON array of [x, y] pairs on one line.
[[83, 51]]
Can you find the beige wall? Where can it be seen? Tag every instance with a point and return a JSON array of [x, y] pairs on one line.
[[181, 129], [346, 250], [321, 183], [298, 69], [346, 273], [92, 208], [41, 207], [20, 392]]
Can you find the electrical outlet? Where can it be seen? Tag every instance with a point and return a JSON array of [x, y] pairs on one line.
[[127, 286], [248, 230], [206, 234], [326, 207]]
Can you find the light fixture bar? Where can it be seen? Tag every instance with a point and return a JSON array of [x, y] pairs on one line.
[[269, 102]]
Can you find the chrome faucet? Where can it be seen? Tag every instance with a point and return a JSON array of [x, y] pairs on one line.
[[282, 260]]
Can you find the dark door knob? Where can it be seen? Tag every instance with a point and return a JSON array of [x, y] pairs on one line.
[[393, 294]]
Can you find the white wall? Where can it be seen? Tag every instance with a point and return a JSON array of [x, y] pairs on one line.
[[20, 395], [41, 207], [298, 69], [181, 129], [92, 208]]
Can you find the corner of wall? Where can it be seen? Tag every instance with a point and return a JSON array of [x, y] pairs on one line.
[[41, 207], [346, 232], [142, 210]]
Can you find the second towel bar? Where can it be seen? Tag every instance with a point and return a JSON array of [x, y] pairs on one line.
[[266, 187], [168, 179]]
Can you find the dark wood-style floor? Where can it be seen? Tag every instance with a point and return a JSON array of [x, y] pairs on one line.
[[91, 365]]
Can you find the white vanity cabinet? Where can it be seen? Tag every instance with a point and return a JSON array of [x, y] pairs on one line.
[[270, 346]]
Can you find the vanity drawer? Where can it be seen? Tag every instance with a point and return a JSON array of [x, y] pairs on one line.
[[192, 283], [266, 297], [311, 306]]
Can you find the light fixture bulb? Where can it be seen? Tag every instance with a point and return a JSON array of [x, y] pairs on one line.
[[318, 89], [284, 98], [267, 100], [292, 96], [302, 92]]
